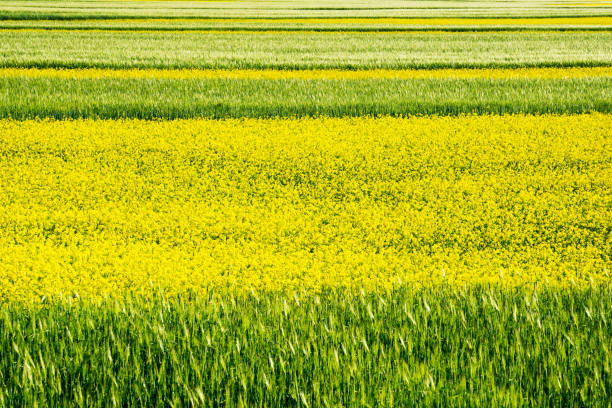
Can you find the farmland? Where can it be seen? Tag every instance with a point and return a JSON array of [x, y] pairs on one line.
[[299, 50], [293, 204]]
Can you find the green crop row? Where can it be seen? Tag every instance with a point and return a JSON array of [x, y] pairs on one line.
[[28, 9], [437, 347], [360, 25], [302, 50], [185, 98], [251, 29]]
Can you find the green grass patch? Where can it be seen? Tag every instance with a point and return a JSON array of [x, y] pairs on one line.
[[303, 50], [436, 347], [217, 98], [250, 29], [26, 9]]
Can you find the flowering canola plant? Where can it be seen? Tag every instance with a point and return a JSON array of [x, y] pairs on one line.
[[428, 21], [492, 73], [107, 207]]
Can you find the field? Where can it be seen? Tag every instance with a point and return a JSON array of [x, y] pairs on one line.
[[347, 204]]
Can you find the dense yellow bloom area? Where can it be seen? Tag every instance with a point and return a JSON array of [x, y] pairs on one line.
[[599, 3], [493, 73], [433, 21], [105, 207], [589, 4], [444, 21]]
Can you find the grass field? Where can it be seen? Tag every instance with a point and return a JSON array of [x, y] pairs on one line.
[[304, 50], [343, 204], [110, 98], [474, 347], [70, 10]]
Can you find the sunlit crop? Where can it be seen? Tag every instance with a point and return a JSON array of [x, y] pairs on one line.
[[298, 51], [431, 21], [406, 348], [493, 73], [348, 203], [107, 207]]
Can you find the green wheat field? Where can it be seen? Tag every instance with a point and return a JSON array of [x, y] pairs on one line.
[[332, 203]]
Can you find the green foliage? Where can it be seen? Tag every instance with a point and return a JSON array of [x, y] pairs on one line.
[[302, 50], [261, 27], [98, 205], [219, 98], [437, 347], [105, 9]]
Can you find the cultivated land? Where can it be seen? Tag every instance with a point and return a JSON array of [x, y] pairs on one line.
[[22, 98], [303, 203], [57, 10], [256, 50], [293, 204]]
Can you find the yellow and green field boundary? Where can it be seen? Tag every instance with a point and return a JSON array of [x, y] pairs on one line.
[[432, 21], [330, 25], [285, 204]]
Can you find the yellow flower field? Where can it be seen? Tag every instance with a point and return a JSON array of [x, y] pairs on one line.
[[493, 73], [108, 207], [432, 21]]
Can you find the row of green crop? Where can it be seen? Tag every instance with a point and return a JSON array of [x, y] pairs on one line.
[[438, 347], [302, 50], [184, 98], [250, 29], [26, 9], [59, 13], [71, 15]]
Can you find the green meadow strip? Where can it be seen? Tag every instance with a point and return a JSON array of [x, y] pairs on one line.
[[50, 16], [314, 29], [271, 65], [427, 348], [53, 49], [184, 98]]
